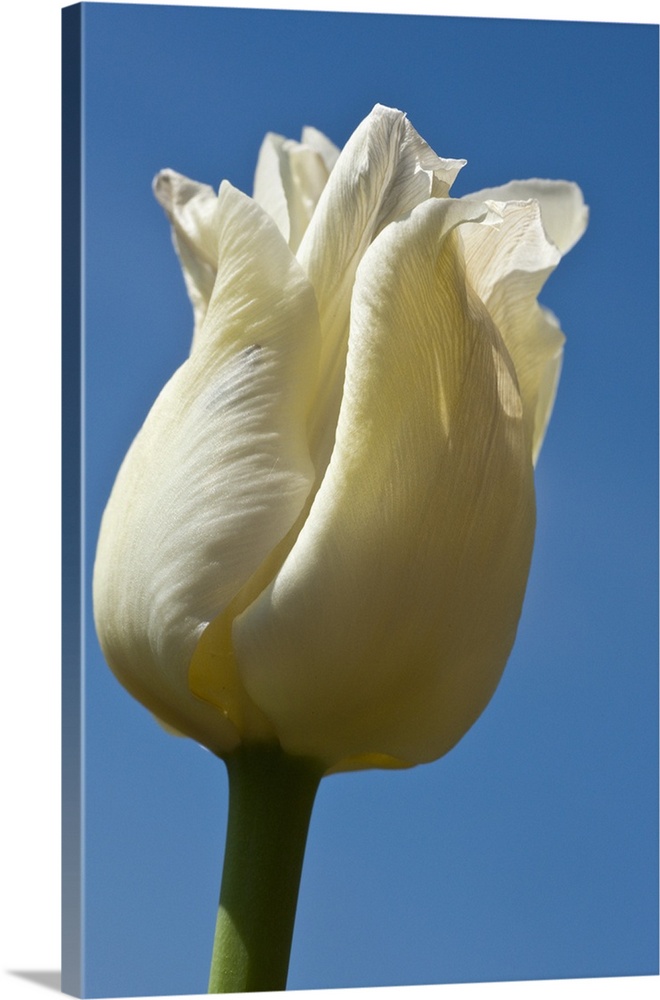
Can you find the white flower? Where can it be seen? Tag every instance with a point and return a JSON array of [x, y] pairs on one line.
[[321, 535]]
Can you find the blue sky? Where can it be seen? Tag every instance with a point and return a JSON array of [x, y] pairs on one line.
[[530, 850]]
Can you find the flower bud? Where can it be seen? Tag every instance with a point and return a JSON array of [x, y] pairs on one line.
[[321, 535]]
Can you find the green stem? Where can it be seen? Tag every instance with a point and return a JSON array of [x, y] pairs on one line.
[[270, 804]]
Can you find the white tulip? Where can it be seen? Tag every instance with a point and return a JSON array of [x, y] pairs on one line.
[[321, 535]]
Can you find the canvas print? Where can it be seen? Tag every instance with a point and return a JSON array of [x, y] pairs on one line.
[[360, 454]]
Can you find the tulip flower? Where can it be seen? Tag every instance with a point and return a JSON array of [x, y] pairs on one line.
[[315, 553]]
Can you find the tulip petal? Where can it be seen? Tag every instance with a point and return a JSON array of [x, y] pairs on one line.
[[217, 475], [322, 145], [289, 179], [192, 211], [507, 265], [564, 213], [389, 624], [384, 170], [268, 190]]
